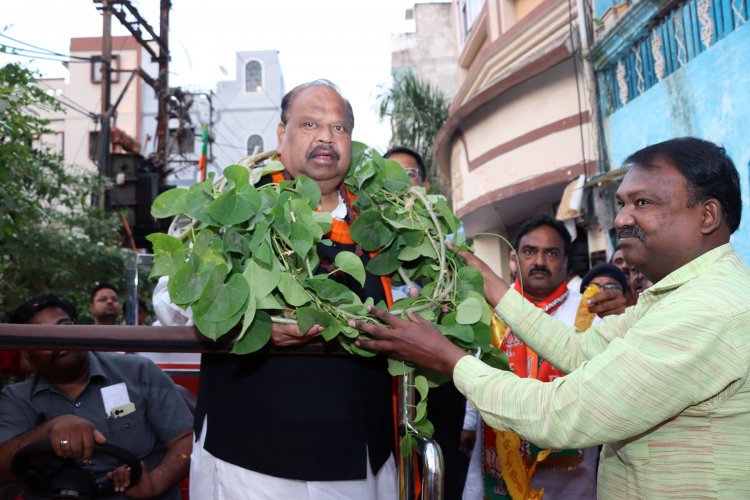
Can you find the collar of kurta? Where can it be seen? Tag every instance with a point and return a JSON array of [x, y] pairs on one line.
[[682, 275]]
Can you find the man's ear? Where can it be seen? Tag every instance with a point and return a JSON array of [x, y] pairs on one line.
[[280, 129], [712, 217]]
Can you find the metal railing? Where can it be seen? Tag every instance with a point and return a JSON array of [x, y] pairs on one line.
[[189, 339]]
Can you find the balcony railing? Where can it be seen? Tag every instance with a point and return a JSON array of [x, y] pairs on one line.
[[662, 44]]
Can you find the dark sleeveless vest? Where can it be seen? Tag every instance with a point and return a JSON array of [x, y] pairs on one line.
[[308, 413]]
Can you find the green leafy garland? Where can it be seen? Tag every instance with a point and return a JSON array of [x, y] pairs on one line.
[[239, 253]]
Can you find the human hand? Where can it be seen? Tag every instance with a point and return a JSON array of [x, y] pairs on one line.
[[608, 302], [415, 340], [494, 286], [73, 437], [289, 335], [120, 477], [147, 487], [468, 440]]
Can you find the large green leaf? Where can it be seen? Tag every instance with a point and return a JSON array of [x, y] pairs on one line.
[[323, 220], [300, 239], [237, 176], [469, 311], [420, 383], [397, 367], [221, 300], [370, 232], [396, 179], [409, 253], [169, 203], [294, 294], [309, 190], [196, 205], [261, 278], [216, 330], [236, 242], [270, 302], [331, 291], [385, 262], [169, 254], [464, 333], [257, 337], [307, 317], [187, 284], [349, 263], [234, 207], [469, 280]]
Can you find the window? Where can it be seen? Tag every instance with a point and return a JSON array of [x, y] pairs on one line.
[[253, 77], [254, 141], [468, 10], [96, 69]]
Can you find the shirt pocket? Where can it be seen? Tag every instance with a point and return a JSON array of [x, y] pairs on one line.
[[130, 432]]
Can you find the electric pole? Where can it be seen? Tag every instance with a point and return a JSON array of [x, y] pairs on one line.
[[105, 120], [162, 120]]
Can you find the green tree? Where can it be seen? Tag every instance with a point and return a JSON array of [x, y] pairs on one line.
[[52, 240], [416, 109]]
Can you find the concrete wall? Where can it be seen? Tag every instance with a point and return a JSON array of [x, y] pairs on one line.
[[708, 98], [431, 49]]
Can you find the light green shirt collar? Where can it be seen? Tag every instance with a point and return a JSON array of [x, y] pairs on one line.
[[691, 270]]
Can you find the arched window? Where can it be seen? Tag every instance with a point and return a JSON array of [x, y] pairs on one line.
[[253, 76], [254, 141]]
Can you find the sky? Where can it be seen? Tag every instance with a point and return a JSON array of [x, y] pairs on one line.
[[345, 41]]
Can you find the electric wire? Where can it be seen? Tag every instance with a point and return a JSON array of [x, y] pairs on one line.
[[43, 50]]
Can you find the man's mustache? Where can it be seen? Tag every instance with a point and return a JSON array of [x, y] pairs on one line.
[[631, 232], [540, 269], [322, 149]]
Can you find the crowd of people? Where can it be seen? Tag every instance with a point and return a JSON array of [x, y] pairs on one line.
[[636, 388]]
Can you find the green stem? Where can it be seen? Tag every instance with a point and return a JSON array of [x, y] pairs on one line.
[[440, 249]]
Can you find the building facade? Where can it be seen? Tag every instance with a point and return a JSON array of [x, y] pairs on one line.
[[77, 125], [668, 69], [241, 114], [429, 50], [520, 126]]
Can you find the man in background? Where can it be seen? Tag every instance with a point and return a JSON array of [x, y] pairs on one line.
[[105, 304], [543, 247]]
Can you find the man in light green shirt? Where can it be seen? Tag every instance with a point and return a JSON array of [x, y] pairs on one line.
[[664, 385]]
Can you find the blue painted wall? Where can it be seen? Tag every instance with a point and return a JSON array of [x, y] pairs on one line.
[[601, 6], [707, 98]]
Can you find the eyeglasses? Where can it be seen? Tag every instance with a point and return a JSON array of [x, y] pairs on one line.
[[413, 173], [609, 286]]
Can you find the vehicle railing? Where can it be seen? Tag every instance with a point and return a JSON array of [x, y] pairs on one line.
[[127, 338]]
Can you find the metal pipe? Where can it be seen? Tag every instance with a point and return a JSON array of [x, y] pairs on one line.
[[136, 339], [406, 412], [432, 469]]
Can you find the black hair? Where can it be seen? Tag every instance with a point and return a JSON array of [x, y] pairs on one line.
[[544, 220], [286, 101], [708, 171], [410, 152], [605, 269], [28, 309], [102, 286]]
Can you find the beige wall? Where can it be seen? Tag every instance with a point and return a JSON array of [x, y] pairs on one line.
[[519, 128], [88, 95]]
